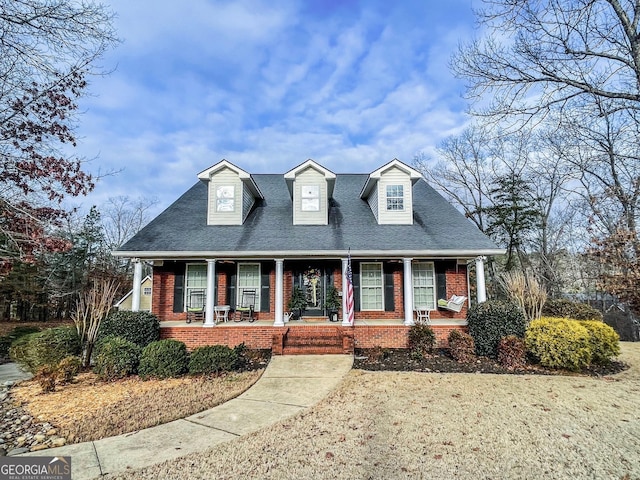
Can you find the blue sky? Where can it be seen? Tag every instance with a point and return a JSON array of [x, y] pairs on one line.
[[268, 84]]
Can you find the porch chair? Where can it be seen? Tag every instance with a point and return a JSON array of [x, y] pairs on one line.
[[247, 306], [195, 306], [454, 304], [423, 315]]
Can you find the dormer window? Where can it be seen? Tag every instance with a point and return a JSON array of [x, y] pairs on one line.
[[395, 197], [310, 186], [225, 198], [310, 198]]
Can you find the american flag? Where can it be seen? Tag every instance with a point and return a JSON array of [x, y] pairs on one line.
[[349, 302]]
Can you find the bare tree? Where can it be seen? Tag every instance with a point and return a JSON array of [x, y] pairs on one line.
[[123, 217]]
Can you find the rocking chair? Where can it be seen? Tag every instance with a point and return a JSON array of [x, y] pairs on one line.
[[195, 306], [247, 306]]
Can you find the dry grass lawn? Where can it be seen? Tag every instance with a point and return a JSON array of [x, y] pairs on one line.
[[384, 425], [90, 409]]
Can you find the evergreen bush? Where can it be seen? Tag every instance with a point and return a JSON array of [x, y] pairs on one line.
[[45, 348], [141, 328], [116, 357], [605, 342], [461, 346], [67, 369], [492, 320], [512, 352], [559, 343], [163, 359], [212, 359], [13, 335], [564, 308], [422, 340]]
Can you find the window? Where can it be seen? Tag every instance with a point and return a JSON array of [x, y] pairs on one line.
[[146, 291], [395, 197], [248, 278], [424, 285], [196, 285], [310, 198], [371, 285], [225, 198]]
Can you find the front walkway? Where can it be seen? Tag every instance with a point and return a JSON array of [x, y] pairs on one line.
[[289, 385]]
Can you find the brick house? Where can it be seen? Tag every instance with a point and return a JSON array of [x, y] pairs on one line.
[[234, 233]]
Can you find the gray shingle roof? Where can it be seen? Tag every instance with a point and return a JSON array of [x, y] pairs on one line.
[[182, 230]]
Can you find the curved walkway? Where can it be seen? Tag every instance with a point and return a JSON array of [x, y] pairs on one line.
[[289, 385]]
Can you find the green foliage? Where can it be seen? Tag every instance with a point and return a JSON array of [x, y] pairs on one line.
[[298, 302], [461, 346], [116, 357], [559, 343], [422, 340], [67, 369], [511, 352], [605, 342], [141, 328], [13, 335], [212, 359], [490, 321], [45, 348], [562, 307], [163, 359]]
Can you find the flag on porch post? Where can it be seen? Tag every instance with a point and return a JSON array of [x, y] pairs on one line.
[[349, 302]]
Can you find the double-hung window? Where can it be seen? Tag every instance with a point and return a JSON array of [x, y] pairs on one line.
[[196, 285], [424, 285], [371, 286], [395, 197], [248, 279]]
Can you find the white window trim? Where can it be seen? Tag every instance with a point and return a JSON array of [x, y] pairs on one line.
[[381, 287], [146, 291], [394, 197], [223, 198], [310, 198], [435, 293], [186, 286], [258, 288]]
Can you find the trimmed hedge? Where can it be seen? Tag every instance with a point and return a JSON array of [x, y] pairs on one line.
[[422, 339], [12, 336], [212, 359], [564, 308], [559, 343], [45, 348], [163, 359], [141, 328], [461, 346], [605, 342], [492, 320], [116, 357]]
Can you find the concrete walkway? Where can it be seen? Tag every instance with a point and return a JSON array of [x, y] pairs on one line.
[[11, 372], [289, 385]]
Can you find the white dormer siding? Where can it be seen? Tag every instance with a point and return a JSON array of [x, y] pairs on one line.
[[372, 200], [394, 209], [310, 202]]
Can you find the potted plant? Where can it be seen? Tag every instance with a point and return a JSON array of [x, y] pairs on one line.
[[297, 303], [332, 303]]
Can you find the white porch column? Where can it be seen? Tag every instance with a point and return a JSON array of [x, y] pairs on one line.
[[345, 319], [481, 290], [209, 302], [279, 320], [137, 281], [408, 291]]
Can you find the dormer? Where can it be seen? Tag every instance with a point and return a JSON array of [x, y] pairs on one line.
[[389, 193], [232, 193], [310, 187]]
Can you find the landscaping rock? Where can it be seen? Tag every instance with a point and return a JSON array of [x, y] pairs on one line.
[[17, 451]]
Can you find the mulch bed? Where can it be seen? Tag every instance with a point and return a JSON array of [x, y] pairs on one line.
[[401, 360]]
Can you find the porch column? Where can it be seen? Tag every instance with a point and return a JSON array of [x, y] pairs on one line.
[[481, 290], [137, 280], [279, 321], [408, 291], [345, 294], [209, 299]]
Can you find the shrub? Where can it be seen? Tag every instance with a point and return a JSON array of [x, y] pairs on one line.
[[461, 346], [12, 336], [141, 328], [559, 343], [163, 359], [489, 321], [564, 308], [46, 377], [67, 369], [212, 359], [511, 352], [605, 342], [422, 340], [116, 357], [45, 348]]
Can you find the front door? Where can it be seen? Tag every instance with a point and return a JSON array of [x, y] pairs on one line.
[[312, 281]]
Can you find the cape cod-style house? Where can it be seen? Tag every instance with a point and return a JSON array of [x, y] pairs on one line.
[[230, 253]]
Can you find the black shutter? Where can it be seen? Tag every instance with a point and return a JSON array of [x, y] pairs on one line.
[[441, 277], [231, 290], [265, 284], [389, 298], [355, 270], [178, 287]]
